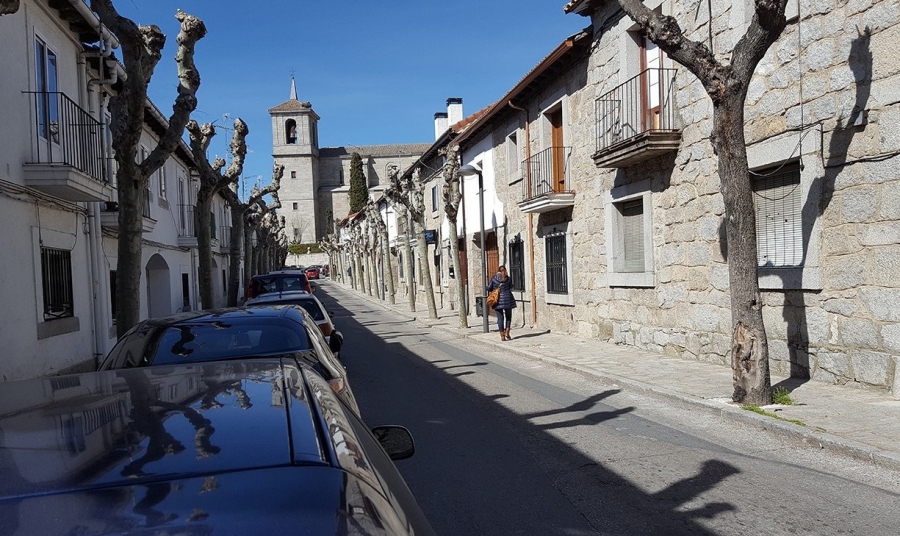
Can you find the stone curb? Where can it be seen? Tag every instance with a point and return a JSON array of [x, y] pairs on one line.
[[784, 429]]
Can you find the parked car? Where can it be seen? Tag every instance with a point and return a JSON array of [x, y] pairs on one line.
[[234, 333], [312, 272], [278, 281], [314, 307], [260, 446]]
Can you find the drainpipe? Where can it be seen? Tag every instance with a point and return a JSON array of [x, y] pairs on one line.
[[530, 215], [98, 284], [107, 38]]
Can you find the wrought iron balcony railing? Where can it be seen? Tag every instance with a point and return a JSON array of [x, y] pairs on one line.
[[225, 237], [546, 172], [67, 134], [643, 104], [186, 221]]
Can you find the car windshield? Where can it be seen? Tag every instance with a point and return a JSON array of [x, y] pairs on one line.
[[205, 341], [312, 308], [280, 283]]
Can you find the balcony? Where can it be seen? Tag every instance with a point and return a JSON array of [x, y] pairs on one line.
[[637, 120], [547, 186], [225, 238], [68, 158], [186, 235]]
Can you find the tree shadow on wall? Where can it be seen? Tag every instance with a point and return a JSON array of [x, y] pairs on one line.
[[820, 194]]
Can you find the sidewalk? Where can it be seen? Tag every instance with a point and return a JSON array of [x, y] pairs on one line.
[[856, 422]]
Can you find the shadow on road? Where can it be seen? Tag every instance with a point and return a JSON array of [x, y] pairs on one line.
[[460, 490]]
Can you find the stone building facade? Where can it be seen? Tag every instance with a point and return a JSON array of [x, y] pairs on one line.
[[613, 188]]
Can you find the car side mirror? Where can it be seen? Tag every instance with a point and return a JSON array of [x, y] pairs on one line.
[[331, 314], [313, 287], [396, 441]]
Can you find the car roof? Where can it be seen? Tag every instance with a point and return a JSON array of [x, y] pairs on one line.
[[282, 297], [111, 436], [229, 314]]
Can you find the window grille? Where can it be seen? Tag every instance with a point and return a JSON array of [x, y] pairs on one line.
[[779, 223], [557, 282], [56, 275], [517, 264]]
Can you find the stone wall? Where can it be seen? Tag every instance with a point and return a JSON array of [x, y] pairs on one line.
[[836, 318]]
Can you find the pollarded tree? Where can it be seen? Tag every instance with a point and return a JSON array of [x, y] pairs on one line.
[[417, 215], [374, 214], [141, 51], [452, 198], [212, 182], [726, 83], [239, 210], [8, 7], [397, 195], [359, 190]]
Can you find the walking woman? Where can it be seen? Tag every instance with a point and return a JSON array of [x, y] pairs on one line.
[[506, 302]]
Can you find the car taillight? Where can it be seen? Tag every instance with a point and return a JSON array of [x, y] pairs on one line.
[[326, 329], [337, 385], [308, 288]]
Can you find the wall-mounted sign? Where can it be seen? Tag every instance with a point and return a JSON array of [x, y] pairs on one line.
[[430, 237]]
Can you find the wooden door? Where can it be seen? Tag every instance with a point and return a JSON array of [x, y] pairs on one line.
[[558, 151], [493, 255]]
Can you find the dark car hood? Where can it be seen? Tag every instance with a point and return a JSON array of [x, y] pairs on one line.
[[229, 447], [140, 426]]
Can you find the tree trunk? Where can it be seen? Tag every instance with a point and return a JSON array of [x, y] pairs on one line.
[[388, 270], [425, 267], [457, 272], [204, 250], [128, 269], [237, 241], [410, 271], [750, 349], [248, 257]]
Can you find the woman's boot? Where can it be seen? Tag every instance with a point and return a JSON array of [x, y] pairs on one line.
[[508, 336], [502, 335]]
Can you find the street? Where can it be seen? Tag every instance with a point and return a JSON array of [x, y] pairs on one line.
[[506, 445]]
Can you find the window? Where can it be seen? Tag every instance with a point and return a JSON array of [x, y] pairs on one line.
[[400, 265], [512, 156], [434, 198], [161, 177], [46, 85], [294, 206], [517, 263], [56, 279], [631, 214], [779, 223], [558, 264], [784, 182], [629, 236], [212, 224], [293, 174]]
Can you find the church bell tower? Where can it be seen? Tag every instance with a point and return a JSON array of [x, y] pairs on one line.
[[295, 145]]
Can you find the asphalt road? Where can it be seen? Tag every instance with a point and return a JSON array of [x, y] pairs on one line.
[[506, 445]]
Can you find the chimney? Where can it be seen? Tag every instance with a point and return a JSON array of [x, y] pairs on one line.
[[454, 111], [440, 124]]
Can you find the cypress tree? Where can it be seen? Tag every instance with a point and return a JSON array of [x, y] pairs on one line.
[[359, 190]]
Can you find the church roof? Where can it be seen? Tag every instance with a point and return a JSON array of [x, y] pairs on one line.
[[400, 149], [292, 105]]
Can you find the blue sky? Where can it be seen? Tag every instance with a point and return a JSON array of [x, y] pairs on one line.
[[375, 71]]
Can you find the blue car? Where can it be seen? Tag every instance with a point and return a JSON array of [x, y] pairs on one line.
[[257, 446]]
